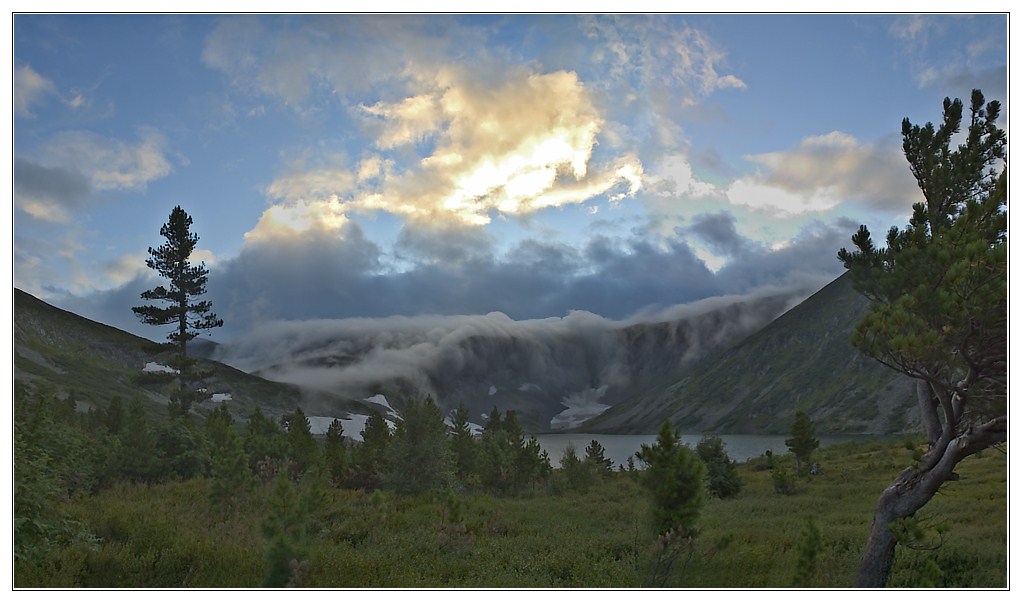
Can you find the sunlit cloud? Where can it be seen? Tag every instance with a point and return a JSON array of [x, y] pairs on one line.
[[293, 220], [110, 163], [304, 185], [127, 267], [674, 177], [511, 149], [825, 171], [758, 195], [29, 88]]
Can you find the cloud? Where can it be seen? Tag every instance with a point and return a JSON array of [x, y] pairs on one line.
[[719, 233], [652, 51], [513, 149], [913, 28], [47, 193], [108, 163], [674, 178], [824, 171], [341, 55], [29, 88]]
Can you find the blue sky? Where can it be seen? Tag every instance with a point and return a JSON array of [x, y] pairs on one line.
[[375, 165]]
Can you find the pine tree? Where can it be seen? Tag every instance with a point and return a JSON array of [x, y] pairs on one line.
[[265, 445], [675, 478], [182, 306], [230, 477], [370, 457], [939, 307], [136, 457], [802, 443], [420, 457], [464, 446], [285, 530], [302, 448], [577, 473], [722, 476], [595, 456], [335, 456]]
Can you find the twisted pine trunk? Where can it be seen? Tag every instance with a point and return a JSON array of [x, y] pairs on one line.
[[914, 487]]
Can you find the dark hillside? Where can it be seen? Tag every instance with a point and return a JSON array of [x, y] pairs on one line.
[[68, 354], [802, 360]]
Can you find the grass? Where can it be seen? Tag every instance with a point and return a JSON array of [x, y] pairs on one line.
[[167, 535]]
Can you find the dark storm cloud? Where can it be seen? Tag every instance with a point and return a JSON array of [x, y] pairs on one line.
[[719, 233], [324, 276]]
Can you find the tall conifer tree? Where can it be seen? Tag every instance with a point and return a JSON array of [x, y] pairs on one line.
[[180, 303]]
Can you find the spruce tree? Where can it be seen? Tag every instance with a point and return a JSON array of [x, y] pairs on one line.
[[464, 446], [179, 304], [302, 448], [419, 455], [597, 459], [335, 456], [370, 457], [802, 443]]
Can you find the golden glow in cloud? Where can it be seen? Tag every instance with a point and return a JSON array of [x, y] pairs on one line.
[[513, 149], [293, 219]]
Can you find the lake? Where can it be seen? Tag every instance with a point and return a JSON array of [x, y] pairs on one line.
[[618, 447]]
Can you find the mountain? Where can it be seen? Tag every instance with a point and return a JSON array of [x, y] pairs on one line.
[[802, 360], [554, 373], [68, 354], [741, 365]]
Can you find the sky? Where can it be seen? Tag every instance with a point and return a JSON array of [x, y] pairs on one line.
[[339, 166]]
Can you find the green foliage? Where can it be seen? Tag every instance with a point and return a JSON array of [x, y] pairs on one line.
[[508, 463], [181, 305], [41, 520], [181, 449], [784, 482], [577, 474], [802, 443], [136, 457], [285, 530], [722, 477], [809, 548], [939, 287], [370, 458], [675, 478], [265, 443], [464, 446], [168, 536], [230, 478], [335, 455], [597, 459], [420, 458], [303, 451]]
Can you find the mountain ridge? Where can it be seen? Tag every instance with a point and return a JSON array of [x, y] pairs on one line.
[[801, 360], [71, 355]]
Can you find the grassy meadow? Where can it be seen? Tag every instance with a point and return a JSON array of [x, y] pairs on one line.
[[168, 536]]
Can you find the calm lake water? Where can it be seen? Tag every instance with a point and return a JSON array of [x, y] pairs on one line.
[[618, 447]]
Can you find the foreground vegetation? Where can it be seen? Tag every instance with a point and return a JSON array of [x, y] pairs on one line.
[[561, 531]]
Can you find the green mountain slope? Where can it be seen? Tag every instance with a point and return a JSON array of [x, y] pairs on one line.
[[802, 360], [68, 354]]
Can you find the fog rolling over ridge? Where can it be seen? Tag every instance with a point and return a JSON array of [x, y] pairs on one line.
[[554, 372]]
